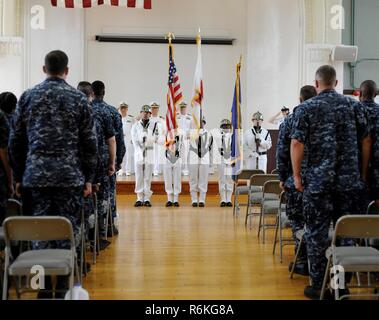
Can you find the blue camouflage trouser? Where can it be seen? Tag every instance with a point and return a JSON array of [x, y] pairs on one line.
[[3, 201], [294, 211], [65, 202], [320, 209]]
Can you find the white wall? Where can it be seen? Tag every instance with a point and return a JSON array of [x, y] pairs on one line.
[[270, 35], [138, 73], [11, 71], [63, 31], [275, 53]]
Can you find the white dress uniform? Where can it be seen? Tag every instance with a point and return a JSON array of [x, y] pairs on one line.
[[172, 169], [127, 166], [144, 139], [159, 148], [223, 160], [256, 155], [199, 161], [184, 125]]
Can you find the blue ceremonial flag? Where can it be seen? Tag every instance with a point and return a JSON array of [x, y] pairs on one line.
[[237, 148]]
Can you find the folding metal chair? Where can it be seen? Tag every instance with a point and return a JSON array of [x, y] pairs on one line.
[[245, 175], [256, 197], [270, 205], [96, 237], [14, 209], [353, 259], [282, 222], [109, 218], [53, 261]]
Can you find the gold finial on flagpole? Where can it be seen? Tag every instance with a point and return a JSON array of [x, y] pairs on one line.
[[170, 36], [198, 37]]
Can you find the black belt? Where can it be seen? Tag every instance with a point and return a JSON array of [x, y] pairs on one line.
[[262, 153]]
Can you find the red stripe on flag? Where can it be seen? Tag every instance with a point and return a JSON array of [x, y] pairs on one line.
[[100, 2], [87, 3], [70, 4], [147, 4], [114, 3], [131, 3], [54, 3]]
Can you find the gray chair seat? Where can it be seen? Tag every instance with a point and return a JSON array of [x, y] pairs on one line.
[[257, 197], [357, 259], [54, 261], [270, 207], [245, 189]]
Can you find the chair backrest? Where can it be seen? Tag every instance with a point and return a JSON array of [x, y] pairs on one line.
[[357, 227], [14, 208], [275, 171], [260, 179], [247, 174], [37, 229], [373, 208], [272, 186]]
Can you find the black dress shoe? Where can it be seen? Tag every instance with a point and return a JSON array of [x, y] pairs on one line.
[[176, 204], [229, 205], [104, 244], [195, 205], [138, 204], [201, 204], [300, 268], [115, 231], [45, 295], [147, 204], [315, 293], [169, 204], [222, 204]]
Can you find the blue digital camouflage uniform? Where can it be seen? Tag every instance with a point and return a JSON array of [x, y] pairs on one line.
[[54, 150], [332, 127], [294, 199], [4, 137], [105, 130], [372, 110], [120, 153]]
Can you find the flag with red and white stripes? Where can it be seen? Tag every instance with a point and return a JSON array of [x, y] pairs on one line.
[[174, 96], [142, 4]]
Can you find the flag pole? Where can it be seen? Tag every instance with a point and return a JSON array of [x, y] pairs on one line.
[[198, 42]]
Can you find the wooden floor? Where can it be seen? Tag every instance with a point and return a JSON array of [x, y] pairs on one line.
[[189, 253]]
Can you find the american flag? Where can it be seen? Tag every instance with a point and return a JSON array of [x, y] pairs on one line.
[[174, 96], [142, 4]]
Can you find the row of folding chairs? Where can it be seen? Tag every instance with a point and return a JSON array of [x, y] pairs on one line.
[[15, 228]]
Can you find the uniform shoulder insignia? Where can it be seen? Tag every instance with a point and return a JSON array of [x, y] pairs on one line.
[[161, 117], [130, 116]]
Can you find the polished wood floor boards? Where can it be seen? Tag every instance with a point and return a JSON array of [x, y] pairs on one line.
[[189, 253]]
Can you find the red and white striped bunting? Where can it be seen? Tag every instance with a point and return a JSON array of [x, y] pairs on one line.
[[141, 4]]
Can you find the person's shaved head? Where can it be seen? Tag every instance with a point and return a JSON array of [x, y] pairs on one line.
[[326, 77], [368, 90]]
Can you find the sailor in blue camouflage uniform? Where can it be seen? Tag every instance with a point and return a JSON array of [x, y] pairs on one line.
[[105, 137], [99, 92], [54, 147], [108, 181], [6, 180], [334, 129], [294, 199], [8, 102], [368, 92]]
